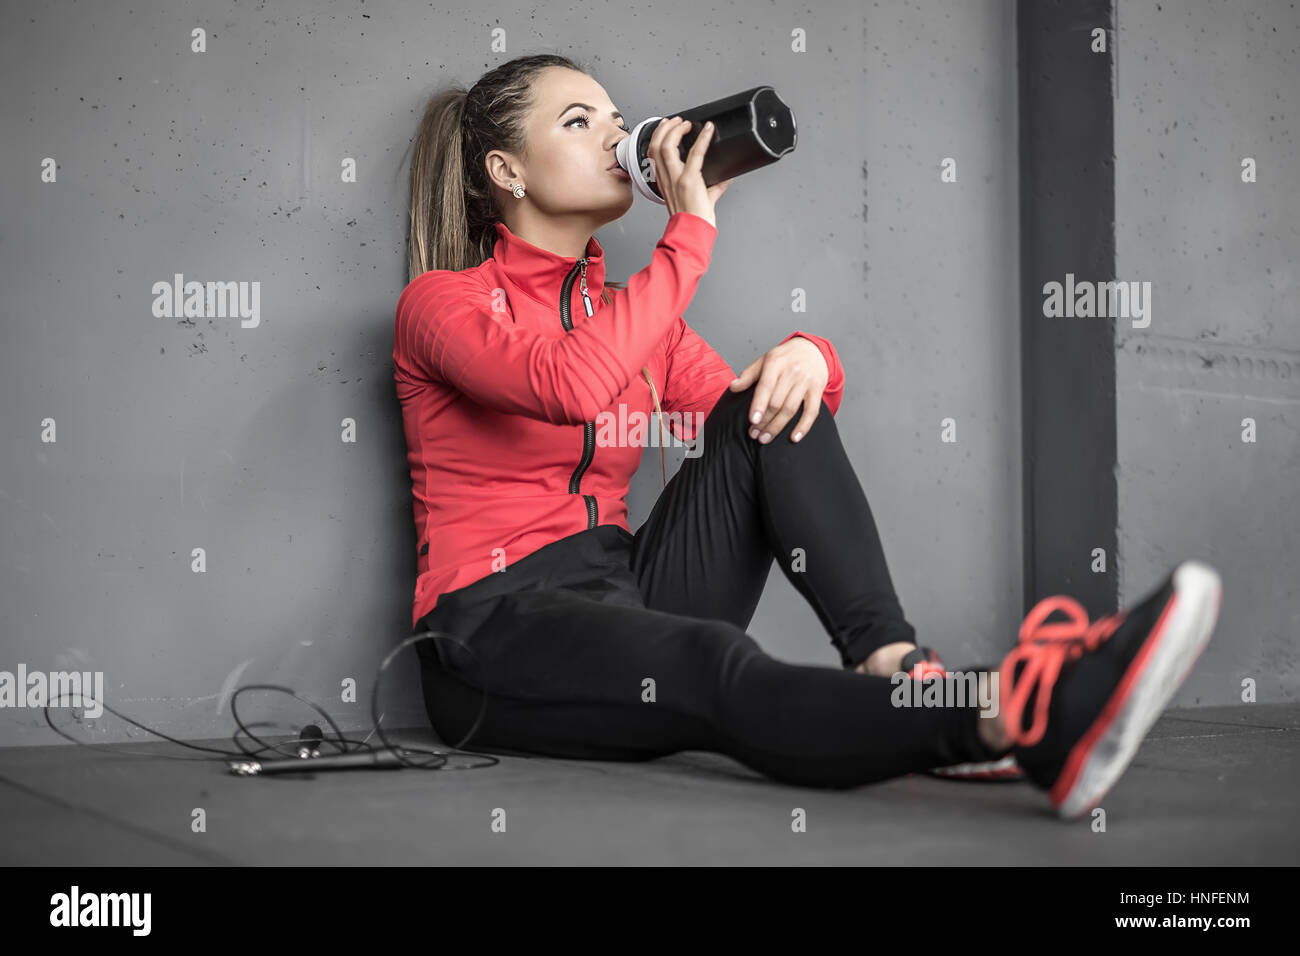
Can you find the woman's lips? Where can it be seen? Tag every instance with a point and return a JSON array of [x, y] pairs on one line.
[[620, 172]]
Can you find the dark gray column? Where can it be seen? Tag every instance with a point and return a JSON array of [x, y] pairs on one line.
[[1067, 225]]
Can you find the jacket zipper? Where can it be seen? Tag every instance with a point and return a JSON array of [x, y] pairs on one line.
[[589, 428]]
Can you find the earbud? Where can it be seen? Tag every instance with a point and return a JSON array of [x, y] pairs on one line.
[[309, 739]]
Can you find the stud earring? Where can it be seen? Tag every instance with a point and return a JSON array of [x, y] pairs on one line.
[[518, 190]]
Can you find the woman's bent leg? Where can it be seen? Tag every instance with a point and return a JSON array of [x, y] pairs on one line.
[[707, 547]]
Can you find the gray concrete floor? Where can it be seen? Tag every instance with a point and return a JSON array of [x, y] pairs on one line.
[[1210, 786]]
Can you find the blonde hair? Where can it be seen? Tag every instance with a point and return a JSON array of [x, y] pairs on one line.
[[453, 208]]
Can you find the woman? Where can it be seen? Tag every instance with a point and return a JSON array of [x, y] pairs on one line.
[[511, 349]]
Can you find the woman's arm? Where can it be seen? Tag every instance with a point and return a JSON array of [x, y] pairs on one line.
[[447, 330]]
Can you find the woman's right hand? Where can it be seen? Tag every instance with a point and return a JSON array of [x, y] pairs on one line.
[[682, 184]]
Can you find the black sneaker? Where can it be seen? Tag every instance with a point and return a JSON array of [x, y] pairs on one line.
[[1094, 689]]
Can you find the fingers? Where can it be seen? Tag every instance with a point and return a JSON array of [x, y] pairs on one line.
[[670, 145], [777, 399], [777, 406], [665, 145], [661, 130], [762, 408], [666, 162], [767, 376], [695, 158], [812, 405], [766, 431]]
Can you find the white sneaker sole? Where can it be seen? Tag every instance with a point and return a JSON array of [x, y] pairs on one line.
[[1197, 595], [1005, 768]]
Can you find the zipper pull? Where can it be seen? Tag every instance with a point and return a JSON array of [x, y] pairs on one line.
[[586, 302]]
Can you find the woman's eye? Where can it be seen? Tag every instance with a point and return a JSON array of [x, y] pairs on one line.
[[587, 119]]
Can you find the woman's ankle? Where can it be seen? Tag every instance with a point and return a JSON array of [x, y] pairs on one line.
[[886, 660]]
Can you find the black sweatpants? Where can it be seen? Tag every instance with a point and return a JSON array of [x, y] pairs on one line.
[[608, 645]]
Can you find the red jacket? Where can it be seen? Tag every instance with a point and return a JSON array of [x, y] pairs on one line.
[[500, 397]]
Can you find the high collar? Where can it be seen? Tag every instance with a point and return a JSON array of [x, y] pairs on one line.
[[541, 274]]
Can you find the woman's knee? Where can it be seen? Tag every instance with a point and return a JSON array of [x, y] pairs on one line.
[[733, 409]]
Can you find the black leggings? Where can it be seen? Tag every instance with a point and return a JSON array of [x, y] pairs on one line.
[[613, 646]]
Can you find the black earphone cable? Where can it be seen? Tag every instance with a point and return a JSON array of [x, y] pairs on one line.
[[439, 757]]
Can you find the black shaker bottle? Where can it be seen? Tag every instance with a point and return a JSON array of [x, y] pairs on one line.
[[751, 129]]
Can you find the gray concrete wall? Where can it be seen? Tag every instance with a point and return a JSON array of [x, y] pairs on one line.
[[176, 434], [917, 281], [1201, 87]]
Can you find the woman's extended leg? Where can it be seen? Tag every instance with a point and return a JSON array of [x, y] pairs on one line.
[[569, 674], [708, 544]]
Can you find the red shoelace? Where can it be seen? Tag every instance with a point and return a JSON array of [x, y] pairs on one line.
[[1045, 648]]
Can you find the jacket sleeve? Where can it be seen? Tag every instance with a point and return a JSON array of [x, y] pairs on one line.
[[695, 380], [834, 390], [447, 330]]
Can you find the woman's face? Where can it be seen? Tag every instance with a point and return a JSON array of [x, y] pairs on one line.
[[565, 166]]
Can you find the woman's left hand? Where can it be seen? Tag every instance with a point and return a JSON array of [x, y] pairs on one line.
[[794, 372]]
